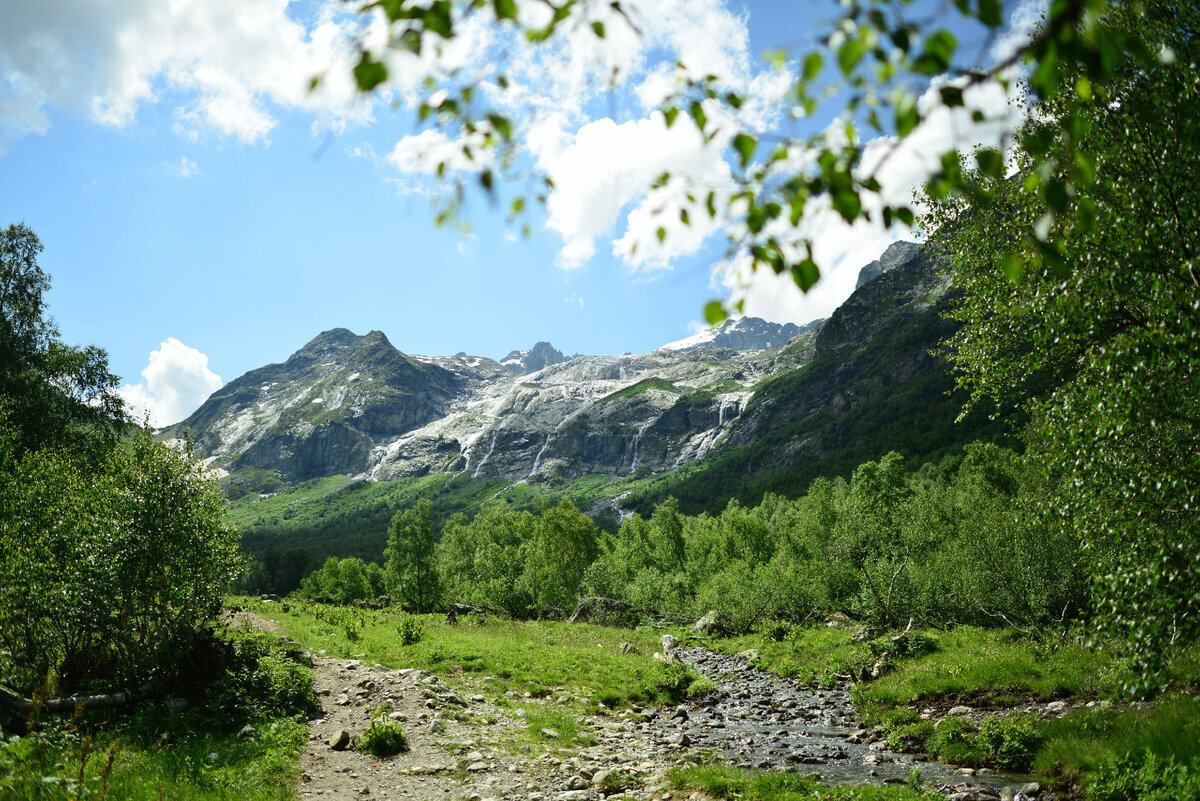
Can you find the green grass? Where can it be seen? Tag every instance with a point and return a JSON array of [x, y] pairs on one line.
[[1087, 738], [725, 782], [196, 765], [645, 385], [542, 658], [992, 667], [982, 667]]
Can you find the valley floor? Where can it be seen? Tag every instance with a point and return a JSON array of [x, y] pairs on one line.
[[500, 710]]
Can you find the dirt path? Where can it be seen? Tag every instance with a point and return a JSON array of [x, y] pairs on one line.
[[468, 744]]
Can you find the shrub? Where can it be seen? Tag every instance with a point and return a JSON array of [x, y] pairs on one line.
[[776, 630], [1010, 742], [701, 687], [258, 676], [1145, 776], [107, 575], [384, 737], [954, 740], [410, 629]]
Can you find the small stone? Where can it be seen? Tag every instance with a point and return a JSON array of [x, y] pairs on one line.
[[340, 740], [551, 733], [1031, 789], [521, 713], [1056, 706], [577, 783], [959, 711], [477, 767], [247, 731]]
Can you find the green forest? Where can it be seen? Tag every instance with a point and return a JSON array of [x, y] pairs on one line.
[[1047, 549]]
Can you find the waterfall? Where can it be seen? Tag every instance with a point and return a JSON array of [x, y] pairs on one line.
[[637, 442], [488, 455], [537, 461]]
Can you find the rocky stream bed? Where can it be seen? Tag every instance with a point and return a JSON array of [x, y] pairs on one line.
[[467, 743]]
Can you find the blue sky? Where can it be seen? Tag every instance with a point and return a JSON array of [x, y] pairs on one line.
[[196, 202]]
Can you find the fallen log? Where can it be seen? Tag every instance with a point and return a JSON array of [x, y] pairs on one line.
[[25, 706]]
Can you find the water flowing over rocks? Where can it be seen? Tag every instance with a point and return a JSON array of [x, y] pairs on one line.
[[758, 720], [466, 746]]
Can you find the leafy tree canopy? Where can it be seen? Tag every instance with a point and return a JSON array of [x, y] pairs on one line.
[[55, 394], [1102, 304], [879, 59]]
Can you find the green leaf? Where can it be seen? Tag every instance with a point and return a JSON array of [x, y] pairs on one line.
[[670, 114], [661, 233], [710, 203], [745, 145], [598, 28], [805, 274], [849, 54], [990, 13], [369, 73], [502, 125], [683, 217], [714, 312], [1013, 267], [813, 63], [952, 96], [907, 115], [990, 162], [437, 19], [697, 112], [506, 9], [848, 204], [937, 54]]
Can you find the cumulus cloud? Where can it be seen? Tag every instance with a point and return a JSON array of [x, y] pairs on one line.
[[227, 64], [602, 163], [902, 167], [175, 382]]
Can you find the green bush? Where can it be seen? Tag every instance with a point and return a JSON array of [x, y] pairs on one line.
[[384, 737], [410, 629], [1010, 742], [701, 688], [258, 676], [954, 740], [910, 736], [1145, 776], [107, 574]]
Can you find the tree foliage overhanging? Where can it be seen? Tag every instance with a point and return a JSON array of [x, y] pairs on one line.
[[1113, 319]]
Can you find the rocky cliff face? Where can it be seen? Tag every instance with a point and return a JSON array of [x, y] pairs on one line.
[[354, 405]]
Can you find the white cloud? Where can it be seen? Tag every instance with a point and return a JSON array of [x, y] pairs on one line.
[[841, 250], [602, 164], [227, 63], [574, 300], [175, 383], [185, 168]]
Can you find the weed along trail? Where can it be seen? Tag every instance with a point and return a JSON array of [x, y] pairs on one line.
[[758, 720]]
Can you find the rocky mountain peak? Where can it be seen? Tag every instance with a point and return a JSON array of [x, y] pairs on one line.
[[897, 253], [543, 354]]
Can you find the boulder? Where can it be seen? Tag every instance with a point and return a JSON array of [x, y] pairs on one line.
[[340, 741], [839, 620], [715, 623]]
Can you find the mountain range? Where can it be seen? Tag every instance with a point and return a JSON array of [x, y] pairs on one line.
[[748, 405]]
